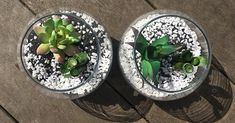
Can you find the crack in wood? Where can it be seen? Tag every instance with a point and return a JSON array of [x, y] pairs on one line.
[[8, 114], [27, 7]]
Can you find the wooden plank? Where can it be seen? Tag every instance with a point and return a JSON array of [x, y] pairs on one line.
[[217, 18], [116, 16], [103, 103], [17, 94], [5, 117]]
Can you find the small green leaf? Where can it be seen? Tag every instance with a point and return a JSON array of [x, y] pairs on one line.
[[43, 37], [57, 21], [155, 69], [147, 69], [61, 46], [179, 65], [82, 58], [53, 38], [65, 70], [49, 24], [187, 56], [161, 41], [141, 44], [188, 68], [39, 30], [167, 49], [203, 61], [195, 61], [69, 27], [151, 53], [65, 31], [65, 22], [72, 62], [60, 32], [75, 71]]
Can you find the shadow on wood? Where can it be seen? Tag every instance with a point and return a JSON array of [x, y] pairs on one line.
[[115, 99], [209, 103]]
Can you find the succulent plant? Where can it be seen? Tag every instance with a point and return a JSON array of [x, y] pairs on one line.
[[185, 61], [59, 37], [56, 35], [152, 53]]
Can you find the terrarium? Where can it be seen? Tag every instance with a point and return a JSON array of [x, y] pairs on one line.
[[165, 55], [66, 52]]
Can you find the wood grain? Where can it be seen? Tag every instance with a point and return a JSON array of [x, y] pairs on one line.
[[217, 18]]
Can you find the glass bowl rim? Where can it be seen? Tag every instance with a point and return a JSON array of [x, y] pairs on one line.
[[185, 17], [50, 14]]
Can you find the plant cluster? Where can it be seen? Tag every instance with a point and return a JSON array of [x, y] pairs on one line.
[[152, 53], [59, 37]]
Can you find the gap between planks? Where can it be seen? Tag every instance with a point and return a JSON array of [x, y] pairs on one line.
[[8, 114]]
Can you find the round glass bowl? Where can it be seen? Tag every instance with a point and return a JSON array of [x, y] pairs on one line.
[[45, 72], [181, 29]]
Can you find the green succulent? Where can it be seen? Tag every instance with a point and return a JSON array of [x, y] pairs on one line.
[[59, 37], [152, 53], [73, 65], [55, 34], [185, 61]]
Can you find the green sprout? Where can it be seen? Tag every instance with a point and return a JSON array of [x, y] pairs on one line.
[[59, 37]]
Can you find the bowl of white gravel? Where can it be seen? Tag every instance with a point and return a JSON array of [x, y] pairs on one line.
[[65, 52], [165, 55]]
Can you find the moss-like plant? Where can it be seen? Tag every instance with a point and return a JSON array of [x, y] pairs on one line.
[[152, 53], [58, 36]]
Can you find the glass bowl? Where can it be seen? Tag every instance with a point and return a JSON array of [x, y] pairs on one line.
[[44, 71], [153, 25]]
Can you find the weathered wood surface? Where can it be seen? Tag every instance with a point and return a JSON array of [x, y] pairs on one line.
[[5, 117], [116, 100]]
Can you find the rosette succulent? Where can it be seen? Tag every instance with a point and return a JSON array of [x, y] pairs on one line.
[[59, 37]]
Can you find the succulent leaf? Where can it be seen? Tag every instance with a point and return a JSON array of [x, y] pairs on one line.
[[71, 50], [39, 30], [82, 58], [69, 27], [147, 69], [61, 46], [161, 41], [141, 44], [59, 57], [43, 49]]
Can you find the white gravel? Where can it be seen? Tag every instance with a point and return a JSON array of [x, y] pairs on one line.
[[179, 32]]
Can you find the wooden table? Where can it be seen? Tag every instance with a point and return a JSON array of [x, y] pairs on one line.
[[115, 100]]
